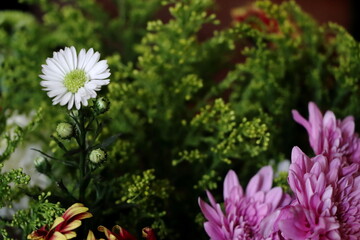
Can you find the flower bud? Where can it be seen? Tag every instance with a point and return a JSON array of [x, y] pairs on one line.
[[65, 130], [102, 105], [97, 155], [41, 164]]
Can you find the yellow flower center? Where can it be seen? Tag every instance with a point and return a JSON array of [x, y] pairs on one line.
[[75, 80]]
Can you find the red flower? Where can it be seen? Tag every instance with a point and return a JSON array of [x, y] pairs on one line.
[[62, 228], [148, 233], [116, 233], [119, 233], [257, 18]]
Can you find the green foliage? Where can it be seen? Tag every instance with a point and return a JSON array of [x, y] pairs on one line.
[[164, 78], [10, 183], [281, 181], [208, 181], [215, 134], [216, 137], [18, 46], [138, 189], [145, 193], [84, 24], [345, 70], [123, 150], [41, 212], [321, 61], [89, 23], [11, 143], [218, 128], [161, 93], [16, 137], [4, 235]]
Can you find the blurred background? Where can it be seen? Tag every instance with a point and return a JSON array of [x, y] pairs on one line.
[[343, 12]]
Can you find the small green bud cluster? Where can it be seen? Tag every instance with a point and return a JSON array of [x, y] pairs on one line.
[[9, 181], [208, 181], [190, 156], [41, 212], [140, 188], [282, 181], [5, 235]]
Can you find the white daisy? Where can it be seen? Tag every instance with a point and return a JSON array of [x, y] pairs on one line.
[[73, 79]]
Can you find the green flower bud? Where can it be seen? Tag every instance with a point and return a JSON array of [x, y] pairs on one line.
[[42, 165], [97, 155], [102, 105], [65, 130]]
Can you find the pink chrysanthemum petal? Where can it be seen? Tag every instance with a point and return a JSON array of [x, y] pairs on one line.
[[243, 212]]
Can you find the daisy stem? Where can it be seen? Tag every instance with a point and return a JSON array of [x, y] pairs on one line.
[[83, 153]]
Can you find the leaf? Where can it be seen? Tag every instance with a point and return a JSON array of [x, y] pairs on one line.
[[107, 142], [46, 155], [59, 143]]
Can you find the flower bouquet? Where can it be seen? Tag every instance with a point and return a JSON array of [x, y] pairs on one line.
[[145, 119]]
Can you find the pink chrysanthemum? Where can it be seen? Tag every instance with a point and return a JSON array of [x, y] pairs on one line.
[[326, 187], [329, 136], [327, 200], [243, 211], [313, 214]]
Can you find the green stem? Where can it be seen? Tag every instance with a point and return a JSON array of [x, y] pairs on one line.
[[65, 190], [83, 153]]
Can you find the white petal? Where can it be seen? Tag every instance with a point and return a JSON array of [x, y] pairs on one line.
[[58, 98], [56, 92], [74, 57], [90, 85], [100, 83], [98, 68], [85, 95], [65, 99], [47, 71], [84, 102], [101, 76], [61, 58], [69, 58], [81, 92], [90, 90], [88, 56], [71, 101], [51, 84], [92, 61], [81, 59], [55, 62], [77, 100], [51, 78], [55, 66]]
